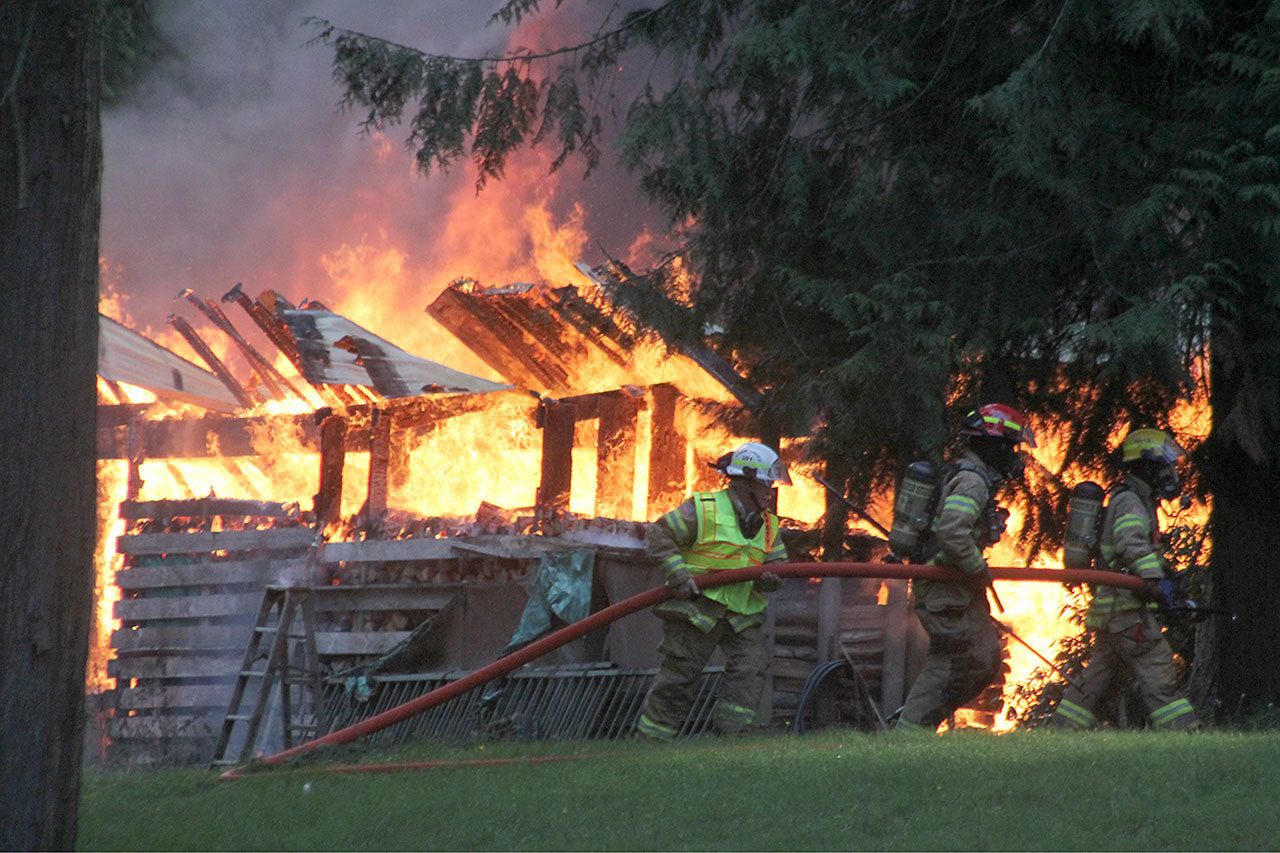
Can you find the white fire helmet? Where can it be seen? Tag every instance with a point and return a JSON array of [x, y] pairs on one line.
[[755, 461]]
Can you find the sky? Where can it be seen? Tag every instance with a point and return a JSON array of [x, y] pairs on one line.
[[231, 163]]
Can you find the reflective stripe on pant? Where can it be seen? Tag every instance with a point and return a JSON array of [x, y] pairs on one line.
[[1132, 642], [685, 650], [1070, 715], [963, 658], [655, 730]]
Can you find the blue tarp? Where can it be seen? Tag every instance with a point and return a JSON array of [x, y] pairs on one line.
[[560, 591]]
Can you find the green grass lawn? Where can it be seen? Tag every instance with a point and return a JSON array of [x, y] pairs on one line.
[[961, 791]]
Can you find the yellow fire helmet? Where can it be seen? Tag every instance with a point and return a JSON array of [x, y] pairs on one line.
[[1149, 443]]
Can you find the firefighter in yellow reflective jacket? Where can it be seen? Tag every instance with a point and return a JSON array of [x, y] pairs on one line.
[[730, 529], [1126, 633], [964, 646]]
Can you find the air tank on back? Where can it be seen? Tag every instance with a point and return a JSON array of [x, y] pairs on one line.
[[1084, 512], [912, 506]]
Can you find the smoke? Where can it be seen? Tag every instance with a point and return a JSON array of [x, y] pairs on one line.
[[231, 163]]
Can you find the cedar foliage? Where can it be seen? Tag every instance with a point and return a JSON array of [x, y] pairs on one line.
[[895, 211]]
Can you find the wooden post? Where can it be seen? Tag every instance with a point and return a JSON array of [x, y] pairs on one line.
[[616, 454], [830, 599], [666, 451], [831, 595], [379, 466], [135, 456], [333, 453], [557, 420], [897, 628]]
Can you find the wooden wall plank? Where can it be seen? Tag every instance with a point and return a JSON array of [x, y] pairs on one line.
[[341, 599], [206, 507], [176, 665], [151, 696], [342, 643], [187, 607], [277, 539], [260, 572], [378, 551], [167, 726], [177, 639]]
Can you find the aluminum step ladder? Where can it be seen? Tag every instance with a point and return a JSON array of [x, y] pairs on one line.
[[284, 636]]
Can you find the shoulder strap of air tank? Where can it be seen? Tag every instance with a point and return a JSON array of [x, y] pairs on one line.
[[965, 465]]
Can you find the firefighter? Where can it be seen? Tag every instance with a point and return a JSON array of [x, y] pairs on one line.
[[964, 647], [1126, 634], [733, 528]]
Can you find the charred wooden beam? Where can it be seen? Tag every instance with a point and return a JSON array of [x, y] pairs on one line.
[[135, 455], [215, 364], [264, 378], [557, 420], [616, 453], [666, 450], [491, 338], [223, 435], [379, 469], [192, 437], [594, 326], [267, 322], [274, 380], [206, 507], [119, 414], [419, 413], [333, 454]]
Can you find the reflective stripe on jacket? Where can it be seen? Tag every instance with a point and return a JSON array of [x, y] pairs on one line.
[[957, 529], [721, 544], [1129, 544]]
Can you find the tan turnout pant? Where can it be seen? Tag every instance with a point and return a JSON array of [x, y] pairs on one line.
[[963, 658], [1131, 642], [685, 651]]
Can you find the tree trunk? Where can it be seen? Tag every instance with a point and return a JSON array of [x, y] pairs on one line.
[[1246, 504], [50, 167]]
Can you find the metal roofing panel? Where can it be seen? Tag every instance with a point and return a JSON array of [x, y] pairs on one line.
[[336, 351], [126, 356]]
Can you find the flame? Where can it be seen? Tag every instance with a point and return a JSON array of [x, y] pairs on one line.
[[112, 488]]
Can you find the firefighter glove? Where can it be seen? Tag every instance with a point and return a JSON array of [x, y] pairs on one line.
[[769, 582], [981, 579], [1163, 592], [681, 585]]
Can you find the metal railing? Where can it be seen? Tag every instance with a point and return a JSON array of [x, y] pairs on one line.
[[566, 702]]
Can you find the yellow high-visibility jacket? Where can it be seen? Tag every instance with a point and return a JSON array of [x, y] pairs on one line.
[[703, 534]]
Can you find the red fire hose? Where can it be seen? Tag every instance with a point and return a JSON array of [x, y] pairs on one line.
[[639, 602]]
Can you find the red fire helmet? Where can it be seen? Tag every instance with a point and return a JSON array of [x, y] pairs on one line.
[[999, 421]]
